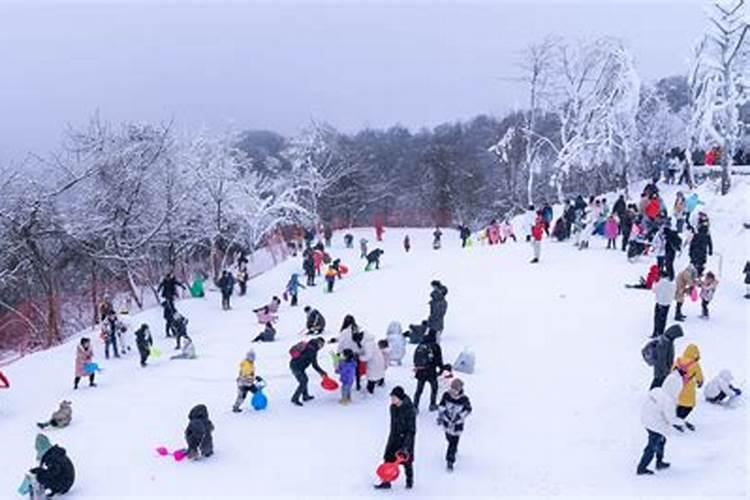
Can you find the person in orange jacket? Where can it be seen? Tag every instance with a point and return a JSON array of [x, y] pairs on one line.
[[689, 368], [537, 233]]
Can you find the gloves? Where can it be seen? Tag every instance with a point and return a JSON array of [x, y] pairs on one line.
[[737, 391], [405, 454]]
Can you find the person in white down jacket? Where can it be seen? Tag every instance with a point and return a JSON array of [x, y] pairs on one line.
[[658, 415], [720, 389]]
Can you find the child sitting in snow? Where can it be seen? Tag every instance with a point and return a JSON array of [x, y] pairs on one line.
[[346, 368], [396, 343], [61, 418], [245, 380], [708, 288], [188, 350], [720, 389], [267, 335], [198, 433]]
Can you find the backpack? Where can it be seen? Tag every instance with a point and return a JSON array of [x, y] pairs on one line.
[[296, 350], [424, 356], [649, 352]]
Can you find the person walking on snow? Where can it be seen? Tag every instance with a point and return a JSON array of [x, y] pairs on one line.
[[664, 354], [292, 288], [143, 342], [708, 288], [346, 367], [689, 368], [304, 355], [537, 233], [685, 281], [428, 366], [402, 435], [438, 308], [180, 329], [664, 291], [453, 409], [226, 286], [719, 390], [308, 265], [701, 247], [169, 311], [658, 417], [245, 380], [110, 329], [84, 355], [407, 244], [168, 288]]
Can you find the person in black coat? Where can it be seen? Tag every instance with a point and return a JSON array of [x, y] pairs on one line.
[[198, 433], [453, 409], [374, 258], [673, 245], [746, 272], [465, 233], [428, 365], [169, 312], [307, 356], [168, 287], [665, 354], [143, 342], [701, 247], [226, 285], [402, 434], [619, 207], [315, 323], [626, 226], [55, 472], [308, 265], [438, 307]]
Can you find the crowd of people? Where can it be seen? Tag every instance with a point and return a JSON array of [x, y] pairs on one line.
[[645, 228]]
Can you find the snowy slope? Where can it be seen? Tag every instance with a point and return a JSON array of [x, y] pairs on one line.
[[556, 396]]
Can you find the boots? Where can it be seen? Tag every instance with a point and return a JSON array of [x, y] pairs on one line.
[[383, 486], [678, 316], [644, 472], [660, 465]]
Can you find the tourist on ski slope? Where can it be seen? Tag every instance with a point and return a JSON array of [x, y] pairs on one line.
[[664, 355], [198, 434], [689, 368], [428, 365], [401, 437], [303, 355], [453, 409], [664, 290], [658, 417]]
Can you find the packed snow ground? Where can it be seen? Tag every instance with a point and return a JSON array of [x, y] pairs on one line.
[[556, 395]]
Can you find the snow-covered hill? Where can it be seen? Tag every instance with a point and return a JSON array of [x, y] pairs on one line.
[[556, 395]]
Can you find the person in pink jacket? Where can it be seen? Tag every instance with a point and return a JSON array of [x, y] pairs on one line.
[[493, 233], [84, 355], [611, 228]]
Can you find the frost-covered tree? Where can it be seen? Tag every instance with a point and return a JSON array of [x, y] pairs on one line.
[[719, 82]]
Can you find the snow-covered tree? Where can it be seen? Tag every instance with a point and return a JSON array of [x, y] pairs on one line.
[[720, 82]]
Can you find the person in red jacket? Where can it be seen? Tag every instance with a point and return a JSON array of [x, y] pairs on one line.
[[651, 278], [537, 232], [653, 208]]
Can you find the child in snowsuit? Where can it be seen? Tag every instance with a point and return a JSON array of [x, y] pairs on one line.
[[55, 474], [330, 276], [143, 341], [292, 288], [267, 335], [347, 370], [689, 369], [84, 355], [611, 229], [453, 409], [720, 389], [245, 380], [708, 288], [198, 433], [179, 325], [60, 418], [374, 258], [396, 343], [658, 417], [188, 350], [436, 238]]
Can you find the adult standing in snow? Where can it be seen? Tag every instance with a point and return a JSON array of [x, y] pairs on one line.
[[537, 233], [658, 417], [438, 307], [672, 245], [664, 290], [226, 286], [327, 234], [437, 234], [110, 329], [701, 247], [428, 365], [626, 226], [242, 278], [619, 207], [402, 435], [169, 312], [308, 265], [685, 281], [664, 354], [547, 216], [529, 221], [307, 355], [453, 409], [84, 355], [168, 287]]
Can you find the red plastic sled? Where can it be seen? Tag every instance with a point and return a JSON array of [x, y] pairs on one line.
[[329, 384], [389, 471]]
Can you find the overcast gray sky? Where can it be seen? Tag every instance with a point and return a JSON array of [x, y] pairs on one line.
[[277, 65]]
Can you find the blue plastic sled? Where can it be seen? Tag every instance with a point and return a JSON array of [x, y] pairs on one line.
[[91, 368], [259, 401]]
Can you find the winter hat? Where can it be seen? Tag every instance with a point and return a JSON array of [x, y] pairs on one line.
[[42, 445], [250, 356], [398, 392], [457, 385]]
